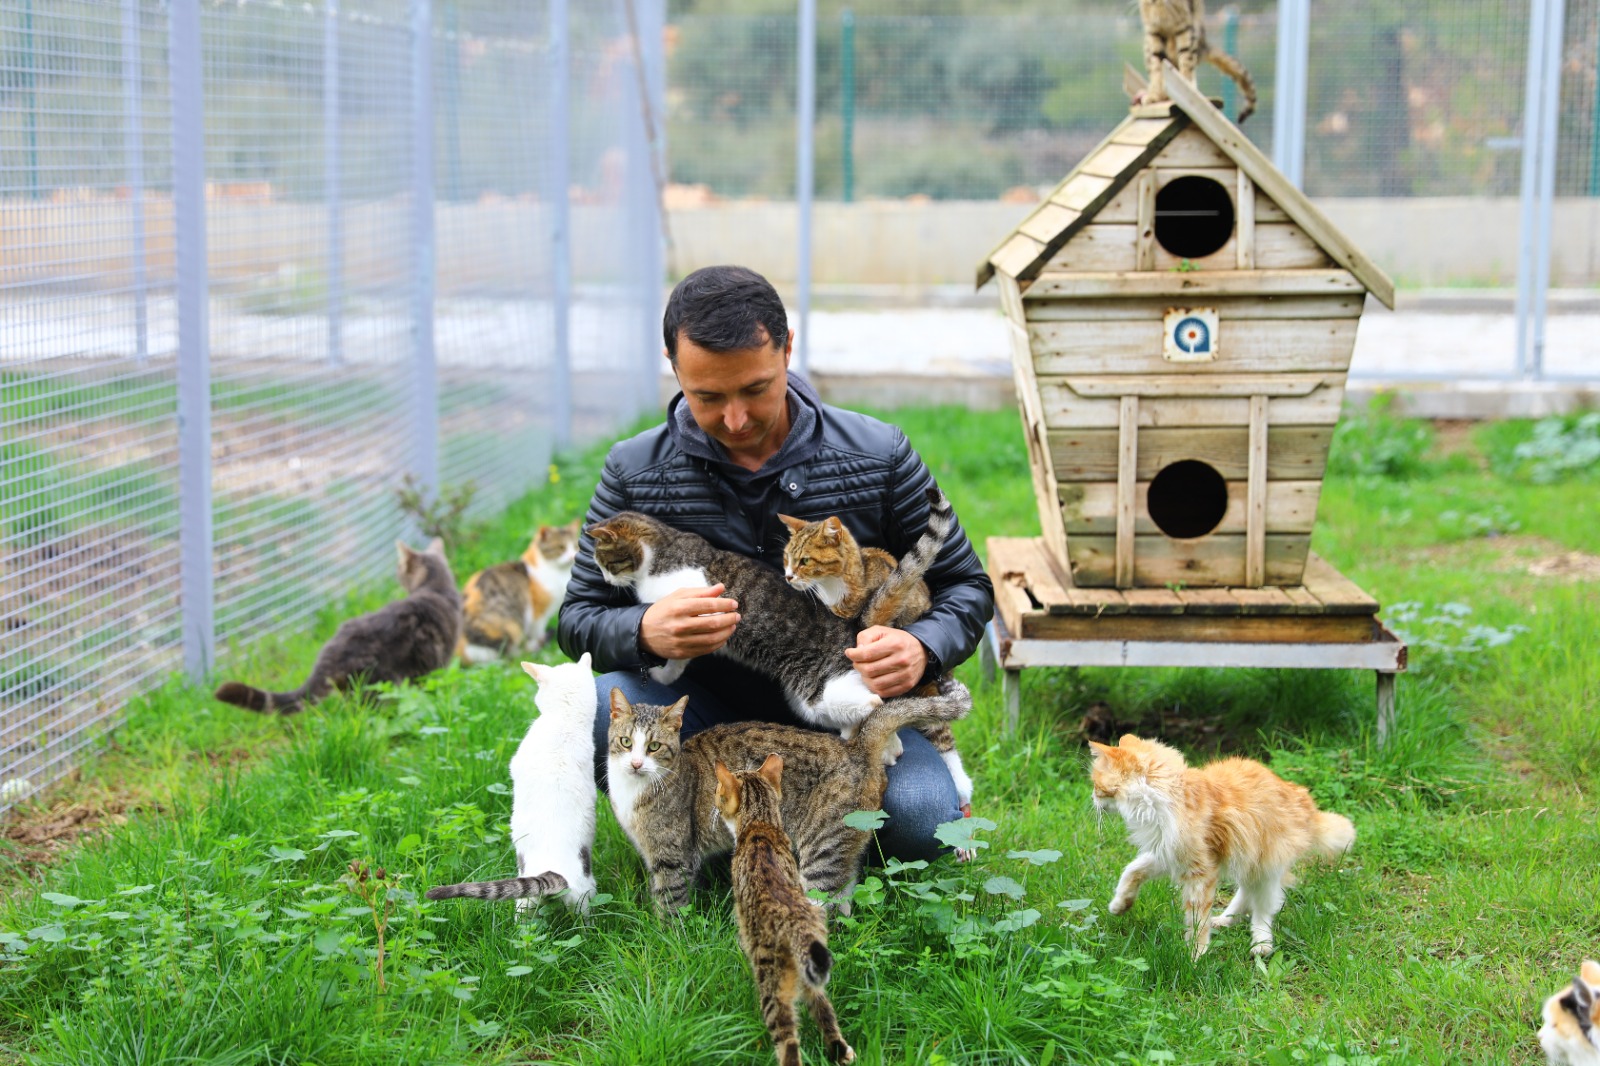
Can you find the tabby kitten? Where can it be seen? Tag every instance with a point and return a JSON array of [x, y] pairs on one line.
[[782, 932], [552, 796], [790, 637], [1176, 30], [1571, 1033], [824, 558], [506, 608], [401, 640], [662, 787], [1233, 816]]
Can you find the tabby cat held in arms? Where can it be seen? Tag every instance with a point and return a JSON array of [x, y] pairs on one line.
[[789, 637], [783, 933], [401, 640], [1233, 816], [552, 796], [825, 559], [662, 787], [1571, 1033], [505, 608]]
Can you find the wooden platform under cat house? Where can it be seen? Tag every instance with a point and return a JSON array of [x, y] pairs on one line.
[[1182, 321]]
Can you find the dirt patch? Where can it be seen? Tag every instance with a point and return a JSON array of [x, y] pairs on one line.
[[1209, 734], [37, 836], [1567, 566], [1454, 437]]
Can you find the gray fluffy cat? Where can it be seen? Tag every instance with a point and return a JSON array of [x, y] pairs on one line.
[[401, 640], [663, 788], [788, 635]]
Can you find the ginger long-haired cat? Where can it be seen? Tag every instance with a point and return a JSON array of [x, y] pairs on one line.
[[1233, 817], [1571, 1033]]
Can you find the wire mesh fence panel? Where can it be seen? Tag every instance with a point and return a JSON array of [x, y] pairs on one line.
[[318, 275], [88, 448], [1578, 122]]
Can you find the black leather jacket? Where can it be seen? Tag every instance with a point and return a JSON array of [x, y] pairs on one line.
[[865, 472]]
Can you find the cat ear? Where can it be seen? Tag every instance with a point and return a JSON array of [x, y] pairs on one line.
[[832, 528], [727, 790], [1590, 971], [772, 772], [1129, 740], [794, 524], [435, 547], [674, 714], [619, 704], [537, 671], [602, 533], [404, 552], [576, 525], [1582, 997], [584, 661], [1101, 749]]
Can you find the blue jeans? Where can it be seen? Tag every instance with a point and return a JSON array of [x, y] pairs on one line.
[[921, 794]]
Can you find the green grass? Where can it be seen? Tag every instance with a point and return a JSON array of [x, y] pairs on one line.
[[213, 926]]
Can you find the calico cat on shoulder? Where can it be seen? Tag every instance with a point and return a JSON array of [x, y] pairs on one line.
[[662, 786], [783, 933], [505, 608], [552, 796], [1571, 1032], [786, 635], [1175, 30], [1233, 817], [401, 640], [825, 559]]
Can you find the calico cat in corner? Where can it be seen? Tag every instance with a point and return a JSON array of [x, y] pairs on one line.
[[824, 559], [1571, 1033], [401, 640], [783, 933], [505, 608]]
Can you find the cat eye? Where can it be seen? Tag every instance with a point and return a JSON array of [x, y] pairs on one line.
[[805, 560], [655, 746]]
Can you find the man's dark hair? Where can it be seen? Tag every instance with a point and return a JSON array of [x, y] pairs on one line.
[[725, 309]]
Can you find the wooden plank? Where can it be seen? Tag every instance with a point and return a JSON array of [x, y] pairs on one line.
[[1339, 595], [1231, 308], [1244, 199], [1244, 346], [1141, 131], [1294, 453], [1122, 207], [1304, 602], [1012, 604], [1017, 254], [1267, 177], [1046, 578], [1195, 284], [1063, 408], [1091, 507], [1145, 250], [1178, 382], [1040, 460], [1097, 248], [1080, 191], [1267, 211], [1263, 601], [1127, 463], [1201, 629], [1255, 537], [1152, 601], [1209, 602], [1114, 160], [1285, 246], [1045, 224], [1191, 148], [1215, 561]]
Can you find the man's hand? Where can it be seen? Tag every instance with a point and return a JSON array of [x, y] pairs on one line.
[[688, 623], [891, 661]]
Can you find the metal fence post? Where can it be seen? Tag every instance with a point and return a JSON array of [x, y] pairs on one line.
[[330, 164], [650, 16], [1543, 95], [847, 98], [425, 371], [805, 144], [560, 219], [1289, 108], [194, 367], [133, 106], [1230, 45]]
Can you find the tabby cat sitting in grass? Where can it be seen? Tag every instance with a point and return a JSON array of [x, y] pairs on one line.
[[401, 640], [1571, 1033], [783, 933], [824, 559], [662, 787], [505, 608], [1232, 816]]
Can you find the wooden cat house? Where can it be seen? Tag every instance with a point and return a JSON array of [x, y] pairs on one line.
[[1182, 323]]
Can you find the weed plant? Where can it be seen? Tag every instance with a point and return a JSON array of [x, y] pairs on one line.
[[228, 920]]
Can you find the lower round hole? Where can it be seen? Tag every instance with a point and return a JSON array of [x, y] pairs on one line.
[[1188, 499]]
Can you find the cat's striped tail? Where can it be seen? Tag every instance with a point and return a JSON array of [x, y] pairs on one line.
[[261, 701], [876, 731], [544, 884], [913, 566], [1335, 834]]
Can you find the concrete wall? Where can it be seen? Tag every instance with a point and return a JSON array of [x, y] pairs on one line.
[[1447, 241]]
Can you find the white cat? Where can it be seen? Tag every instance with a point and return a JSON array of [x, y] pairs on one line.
[[552, 796]]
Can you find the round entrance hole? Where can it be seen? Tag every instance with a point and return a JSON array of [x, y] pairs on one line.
[[1187, 499], [1194, 216]]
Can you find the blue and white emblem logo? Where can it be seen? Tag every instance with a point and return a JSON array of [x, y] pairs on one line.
[[1191, 335]]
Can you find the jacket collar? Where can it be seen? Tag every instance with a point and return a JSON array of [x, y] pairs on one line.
[[788, 464]]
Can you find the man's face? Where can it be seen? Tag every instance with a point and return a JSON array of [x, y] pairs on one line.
[[739, 398]]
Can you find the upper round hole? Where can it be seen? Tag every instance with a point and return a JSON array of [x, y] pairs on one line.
[[1194, 216], [1187, 499]]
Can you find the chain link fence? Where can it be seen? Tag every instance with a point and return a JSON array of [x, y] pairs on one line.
[[1419, 99], [321, 290]]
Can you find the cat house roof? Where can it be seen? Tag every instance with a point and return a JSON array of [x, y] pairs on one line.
[[1104, 172]]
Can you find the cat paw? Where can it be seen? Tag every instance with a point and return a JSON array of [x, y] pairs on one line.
[[1222, 921], [1119, 905], [1199, 950], [1261, 949], [874, 701], [839, 1051]]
